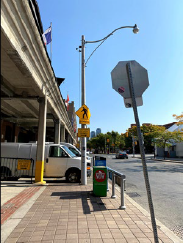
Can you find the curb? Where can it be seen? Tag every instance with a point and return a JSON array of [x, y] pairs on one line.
[[163, 228]]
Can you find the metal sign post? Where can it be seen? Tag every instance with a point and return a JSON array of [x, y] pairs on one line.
[[83, 126], [133, 142], [130, 81]]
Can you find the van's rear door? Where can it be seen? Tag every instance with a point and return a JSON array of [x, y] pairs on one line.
[[56, 162]]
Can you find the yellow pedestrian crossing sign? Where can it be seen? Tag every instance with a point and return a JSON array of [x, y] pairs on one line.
[[84, 115]]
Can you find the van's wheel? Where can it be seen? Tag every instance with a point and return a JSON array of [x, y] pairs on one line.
[[73, 176], [5, 173]]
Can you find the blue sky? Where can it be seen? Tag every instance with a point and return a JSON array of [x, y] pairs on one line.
[[158, 47]]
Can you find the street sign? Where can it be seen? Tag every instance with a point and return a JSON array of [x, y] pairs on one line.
[[120, 81], [84, 115], [23, 164], [83, 132]]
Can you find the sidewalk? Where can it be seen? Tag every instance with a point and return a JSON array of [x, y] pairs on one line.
[[69, 213]]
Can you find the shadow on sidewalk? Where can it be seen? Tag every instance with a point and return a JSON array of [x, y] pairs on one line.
[[87, 198]]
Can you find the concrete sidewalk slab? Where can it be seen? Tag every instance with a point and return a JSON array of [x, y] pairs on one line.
[[10, 190], [14, 218], [70, 213]]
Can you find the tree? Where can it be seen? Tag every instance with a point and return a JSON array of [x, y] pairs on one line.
[[179, 118], [149, 132], [120, 141], [99, 142], [167, 138]]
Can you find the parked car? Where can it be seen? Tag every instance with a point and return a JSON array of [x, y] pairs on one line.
[[121, 155]]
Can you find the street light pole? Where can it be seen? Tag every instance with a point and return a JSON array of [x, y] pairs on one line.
[[133, 139], [83, 99]]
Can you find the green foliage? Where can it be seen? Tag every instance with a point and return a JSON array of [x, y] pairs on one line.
[[149, 132], [166, 138], [100, 141], [179, 118], [152, 135]]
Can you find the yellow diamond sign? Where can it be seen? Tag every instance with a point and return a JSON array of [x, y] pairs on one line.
[[84, 115]]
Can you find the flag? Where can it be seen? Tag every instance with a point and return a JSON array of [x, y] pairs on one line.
[[67, 102], [47, 36]]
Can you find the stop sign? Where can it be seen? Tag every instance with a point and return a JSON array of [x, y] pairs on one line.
[[121, 85]]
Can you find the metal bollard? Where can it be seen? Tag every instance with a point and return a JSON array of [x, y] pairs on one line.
[[93, 161], [122, 206], [107, 180], [113, 186]]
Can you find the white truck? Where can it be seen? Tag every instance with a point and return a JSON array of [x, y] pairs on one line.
[[59, 161]]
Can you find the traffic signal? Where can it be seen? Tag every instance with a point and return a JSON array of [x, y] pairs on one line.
[[108, 140]]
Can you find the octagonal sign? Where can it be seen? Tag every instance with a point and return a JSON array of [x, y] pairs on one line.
[[121, 85]]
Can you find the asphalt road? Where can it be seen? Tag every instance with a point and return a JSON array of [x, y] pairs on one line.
[[166, 181]]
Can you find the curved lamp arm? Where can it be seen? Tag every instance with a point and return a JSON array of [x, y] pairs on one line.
[[134, 27], [135, 30]]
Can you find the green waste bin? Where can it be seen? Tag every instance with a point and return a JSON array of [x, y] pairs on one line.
[[100, 181]]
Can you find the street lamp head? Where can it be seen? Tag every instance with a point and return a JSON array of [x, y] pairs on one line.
[[135, 29]]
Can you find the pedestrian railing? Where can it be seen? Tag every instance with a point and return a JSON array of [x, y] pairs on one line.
[[113, 174], [15, 168]]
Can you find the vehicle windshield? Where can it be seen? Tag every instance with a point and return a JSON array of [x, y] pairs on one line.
[[68, 151], [77, 153]]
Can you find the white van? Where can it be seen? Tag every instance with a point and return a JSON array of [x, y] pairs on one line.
[[59, 161]]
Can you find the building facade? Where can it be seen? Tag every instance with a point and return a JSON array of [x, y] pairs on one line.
[[92, 134], [72, 117], [98, 131]]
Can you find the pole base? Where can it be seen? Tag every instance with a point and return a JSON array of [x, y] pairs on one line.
[[122, 207], [113, 196], [39, 183]]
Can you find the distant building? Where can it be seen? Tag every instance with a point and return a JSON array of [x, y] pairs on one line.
[[176, 149], [72, 117], [98, 131], [92, 134]]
